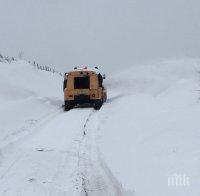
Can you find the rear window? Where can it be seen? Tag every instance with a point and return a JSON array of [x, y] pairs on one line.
[[82, 82]]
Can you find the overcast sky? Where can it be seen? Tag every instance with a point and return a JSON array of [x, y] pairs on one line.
[[112, 33]]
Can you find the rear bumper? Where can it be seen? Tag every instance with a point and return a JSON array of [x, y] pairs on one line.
[[81, 100], [81, 97], [82, 94]]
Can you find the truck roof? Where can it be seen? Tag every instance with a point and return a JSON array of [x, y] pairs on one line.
[[94, 70]]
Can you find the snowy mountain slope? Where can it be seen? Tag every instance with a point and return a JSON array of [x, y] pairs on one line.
[[27, 96], [147, 131], [150, 128]]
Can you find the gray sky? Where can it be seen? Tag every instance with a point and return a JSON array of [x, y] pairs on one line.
[[112, 33]]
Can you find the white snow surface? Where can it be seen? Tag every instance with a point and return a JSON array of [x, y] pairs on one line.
[[147, 131], [150, 128]]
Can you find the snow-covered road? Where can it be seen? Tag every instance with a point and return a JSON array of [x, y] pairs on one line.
[[44, 150], [146, 132], [97, 179], [60, 158], [46, 162]]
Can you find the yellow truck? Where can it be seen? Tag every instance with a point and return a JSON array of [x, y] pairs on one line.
[[84, 87]]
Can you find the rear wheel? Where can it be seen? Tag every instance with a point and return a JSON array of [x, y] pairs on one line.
[[98, 104], [68, 106]]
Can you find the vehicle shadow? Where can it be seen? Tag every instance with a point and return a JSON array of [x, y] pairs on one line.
[[110, 100]]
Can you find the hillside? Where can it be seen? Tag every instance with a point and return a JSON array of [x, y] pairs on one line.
[[150, 128], [27, 97], [146, 132]]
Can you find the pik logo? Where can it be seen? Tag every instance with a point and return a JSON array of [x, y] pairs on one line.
[[178, 180]]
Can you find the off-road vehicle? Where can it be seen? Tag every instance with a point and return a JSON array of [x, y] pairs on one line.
[[84, 87]]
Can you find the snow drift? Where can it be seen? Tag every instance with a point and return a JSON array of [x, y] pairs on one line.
[[27, 95], [150, 128]]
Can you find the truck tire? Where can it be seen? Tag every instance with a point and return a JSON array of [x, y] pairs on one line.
[[98, 104], [68, 106]]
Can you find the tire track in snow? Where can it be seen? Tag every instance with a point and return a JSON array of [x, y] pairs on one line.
[[97, 179], [10, 146], [34, 130], [10, 167], [31, 156]]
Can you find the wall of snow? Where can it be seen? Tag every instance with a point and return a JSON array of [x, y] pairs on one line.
[[149, 129], [27, 95]]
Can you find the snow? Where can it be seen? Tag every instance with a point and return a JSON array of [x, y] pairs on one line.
[[27, 95], [150, 128], [147, 131]]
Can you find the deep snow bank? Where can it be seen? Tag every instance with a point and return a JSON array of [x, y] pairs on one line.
[[150, 127], [27, 96]]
